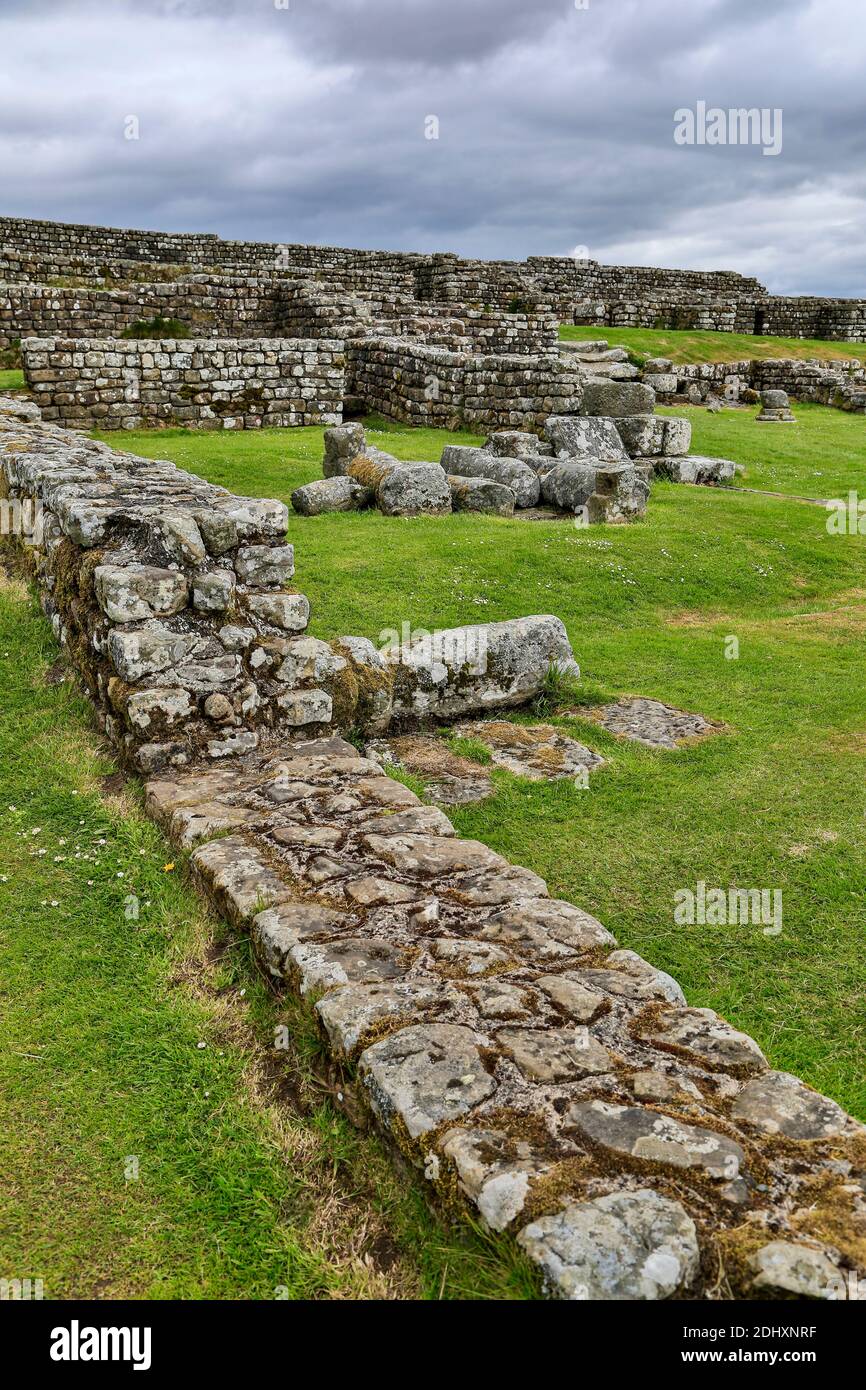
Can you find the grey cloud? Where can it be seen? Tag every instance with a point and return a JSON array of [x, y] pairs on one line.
[[556, 126]]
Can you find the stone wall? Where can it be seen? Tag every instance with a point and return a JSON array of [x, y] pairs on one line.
[[841, 384], [208, 306], [430, 386], [207, 384], [554, 1088]]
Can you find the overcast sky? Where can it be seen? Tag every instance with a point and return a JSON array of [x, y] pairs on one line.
[[556, 126]]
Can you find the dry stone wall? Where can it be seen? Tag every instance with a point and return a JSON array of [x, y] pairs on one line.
[[208, 384]]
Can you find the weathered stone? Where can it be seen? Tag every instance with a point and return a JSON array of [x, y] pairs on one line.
[[331, 494], [547, 927], [487, 666], [783, 1267], [572, 996], [265, 566], [702, 1032], [481, 495], [240, 879], [576, 436], [469, 957], [778, 1103], [343, 443], [464, 461], [651, 1137], [513, 444], [629, 975], [653, 723], [290, 612], [277, 930], [539, 752], [146, 651], [775, 407], [323, 966], [350, 1013], [555, 1054], [159, 707], [426, 1075], [696, 468], [298, 707], [617, 398], [131, 593], [213, 590], [626, 1246], [494, 1171], [414, 489]]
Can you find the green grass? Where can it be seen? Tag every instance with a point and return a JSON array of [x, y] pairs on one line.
[[777, 802], [822, 455], [11, 380], [694, 345], [250, 1180]]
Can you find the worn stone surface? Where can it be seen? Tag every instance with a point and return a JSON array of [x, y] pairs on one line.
[[426, 1075], [481, 495], [656, 1139], [625, 1246], [653, 723], [801, 1271], [779, 1103], [333, 493], [540, 752]]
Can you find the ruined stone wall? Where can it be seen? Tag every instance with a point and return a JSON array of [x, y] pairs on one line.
[[556, 1089], [841, 384], [422, 385], [197, 383], [208, 306]]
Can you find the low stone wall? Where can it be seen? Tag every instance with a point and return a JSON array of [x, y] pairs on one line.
[[430, 386], [841, 384], [552, 1086], [231, 384]]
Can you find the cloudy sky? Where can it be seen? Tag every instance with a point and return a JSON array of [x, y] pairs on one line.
[[307, 120]]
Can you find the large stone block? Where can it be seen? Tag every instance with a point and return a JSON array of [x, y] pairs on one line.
[[576, 436], [616, 398], [466, 462]]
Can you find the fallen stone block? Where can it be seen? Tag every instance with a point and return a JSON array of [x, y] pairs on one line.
[[482, 666], [343, 443], [414, 489], [465, 462], [696, 468], [481, 495], [514, 444], [334, 493]]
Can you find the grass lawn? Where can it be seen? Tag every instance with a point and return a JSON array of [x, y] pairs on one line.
[[152, 1142], [11, 380], [822, 455], [693, 345], [776, 802]]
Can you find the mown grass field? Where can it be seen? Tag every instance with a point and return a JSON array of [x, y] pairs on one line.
[[777, 802], [695, 345]]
